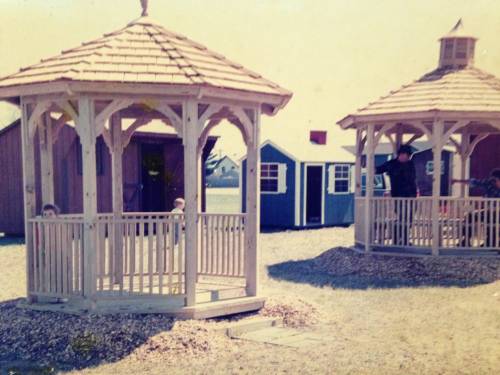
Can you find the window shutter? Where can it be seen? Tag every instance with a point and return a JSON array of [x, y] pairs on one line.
[[331, 179], [352, 179], [282, 178]]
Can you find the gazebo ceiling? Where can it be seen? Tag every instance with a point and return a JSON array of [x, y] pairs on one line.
[[141, 53], [449, 89]]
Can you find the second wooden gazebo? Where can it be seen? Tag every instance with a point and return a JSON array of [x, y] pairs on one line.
[[456, 104], [140, 262]]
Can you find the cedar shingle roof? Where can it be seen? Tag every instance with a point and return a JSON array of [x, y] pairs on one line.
[[462, 89], [144, 52]]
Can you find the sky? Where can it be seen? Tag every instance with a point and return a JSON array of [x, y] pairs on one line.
[[335, 55]]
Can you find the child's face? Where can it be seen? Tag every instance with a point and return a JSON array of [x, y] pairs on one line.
[[180, 205], [49, 214]]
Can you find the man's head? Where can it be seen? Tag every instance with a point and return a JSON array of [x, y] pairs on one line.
[[180, 203], [404, 153], [50, 211], [495, 175]]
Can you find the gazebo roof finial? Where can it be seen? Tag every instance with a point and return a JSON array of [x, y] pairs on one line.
[[144, 4]]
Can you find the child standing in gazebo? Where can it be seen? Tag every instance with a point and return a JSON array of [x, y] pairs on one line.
[[178, 210]]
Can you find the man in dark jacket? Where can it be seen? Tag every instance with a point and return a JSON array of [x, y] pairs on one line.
[[401, 172]]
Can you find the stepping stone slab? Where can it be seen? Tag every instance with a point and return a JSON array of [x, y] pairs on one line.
[[284, 337]]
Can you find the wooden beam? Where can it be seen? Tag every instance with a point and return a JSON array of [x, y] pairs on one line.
[[252, 228], [357, 166], [190, 140], [437, 147], [173, 117], [209, 112], [46, 159], [115, 106], [117, 146], [127, 136], [68, 109], [383, 131], [370, 176], [87, 131], [28, 152], [35, 116]]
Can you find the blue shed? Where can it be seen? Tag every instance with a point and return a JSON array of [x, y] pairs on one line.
[[305, 185]]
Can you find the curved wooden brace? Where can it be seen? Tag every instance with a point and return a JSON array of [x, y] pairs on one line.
[[103, 116], [474, 143], [453, 129], [209, 112], [202, 141], [423, 128], [173, 117], [68, 109], [36, 114], [127, 134], [246, 124], [382, 132]]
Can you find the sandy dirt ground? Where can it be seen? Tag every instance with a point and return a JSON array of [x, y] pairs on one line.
[[431, 329]]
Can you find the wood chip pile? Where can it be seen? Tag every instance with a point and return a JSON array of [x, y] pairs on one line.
[[294, 312], [346, 262]]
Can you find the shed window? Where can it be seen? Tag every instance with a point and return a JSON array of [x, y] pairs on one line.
[[339, 179], [273, 178], [461, 51], [99, 157]]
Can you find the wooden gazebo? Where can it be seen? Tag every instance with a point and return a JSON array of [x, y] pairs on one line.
[[191, 265], [456, 104]]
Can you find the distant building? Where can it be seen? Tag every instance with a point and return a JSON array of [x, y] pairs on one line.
[[307, 184], [222, 173]]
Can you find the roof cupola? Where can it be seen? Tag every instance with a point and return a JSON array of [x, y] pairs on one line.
[[457, 48]]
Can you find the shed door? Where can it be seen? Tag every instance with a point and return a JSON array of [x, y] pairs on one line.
[[314, 194], [153, 178]]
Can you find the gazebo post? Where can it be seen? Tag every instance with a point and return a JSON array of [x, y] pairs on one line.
[[464, 165], [357, 165], [28, 152], [87, 132], [437, 146], [190, 139], [253, 208], [370, 170], [46, 159], [117, 193]]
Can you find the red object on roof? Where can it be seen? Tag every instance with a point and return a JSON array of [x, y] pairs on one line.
[[318, 137]]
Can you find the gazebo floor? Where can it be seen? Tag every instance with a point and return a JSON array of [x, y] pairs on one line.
[[214, 298], [426, 251]]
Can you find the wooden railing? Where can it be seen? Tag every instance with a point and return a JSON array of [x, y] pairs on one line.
[[464, 223], [470, 223], [135, 253], [221, 245], [140, 253], [57, 257]]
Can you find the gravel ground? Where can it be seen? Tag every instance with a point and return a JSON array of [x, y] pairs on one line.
[[433, 317]]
